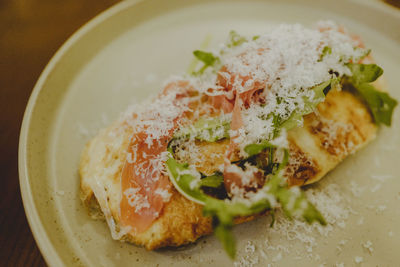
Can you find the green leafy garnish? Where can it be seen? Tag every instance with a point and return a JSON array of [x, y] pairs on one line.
[[195, 61], [296, 118], [363, 53], [224, 212], [184, 181], [208, 59], [327, 50], [364, 73], [214, 129], [275, 191], [215, 180], [380, 103], [204, 129], [224, 233], [254, 149], [235, 39]]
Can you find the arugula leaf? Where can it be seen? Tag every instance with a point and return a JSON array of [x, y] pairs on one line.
[[235, 39], [274, 190], [195, 61], [215, 180], [380, 103], [214, 129], [209, 130], [327, 50], [363, 53], [184, 182], [296, 118], [224, 233], [254, 149], [224, 212], [207, 58], [364, 73], [293, 201]]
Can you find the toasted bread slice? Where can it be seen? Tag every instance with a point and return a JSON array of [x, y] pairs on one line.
[[341, 125]]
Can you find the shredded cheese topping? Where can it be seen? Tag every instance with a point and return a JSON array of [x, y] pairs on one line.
[[271, 74]]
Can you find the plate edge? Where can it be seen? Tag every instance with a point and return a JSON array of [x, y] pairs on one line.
[[46, 247]]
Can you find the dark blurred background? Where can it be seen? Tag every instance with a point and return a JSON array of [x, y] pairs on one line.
[[31, 31]]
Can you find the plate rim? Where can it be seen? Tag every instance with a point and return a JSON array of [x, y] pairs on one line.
[[46, 247]]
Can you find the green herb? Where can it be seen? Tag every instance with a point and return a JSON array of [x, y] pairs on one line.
[[325, 51], [214, 181], [364, 73], [235, 39], [208, 59], [364, 53], [272, 213], [380, 103], [185, 182], [254, 149], [224, 233], [224, 212], [204, 129], [296, 118], [275, 189], [195, 61]]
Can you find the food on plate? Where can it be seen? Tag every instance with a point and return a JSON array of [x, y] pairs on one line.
[[235, 138]]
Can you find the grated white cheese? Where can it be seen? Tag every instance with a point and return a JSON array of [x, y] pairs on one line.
[[356, 189], [284, 63], [368, 246], [341, 244], [381, 208], [329, 199], [250, 247], [156, 117], [135, 200], [165, 194], [358, 259], [249, 260]]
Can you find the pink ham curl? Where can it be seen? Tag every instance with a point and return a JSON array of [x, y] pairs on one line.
[[145, 188], [233, 174]]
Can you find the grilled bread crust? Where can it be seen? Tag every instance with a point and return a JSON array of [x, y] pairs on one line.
[[341, 125]]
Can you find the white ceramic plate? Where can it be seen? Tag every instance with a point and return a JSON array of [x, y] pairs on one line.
[[123, 55]]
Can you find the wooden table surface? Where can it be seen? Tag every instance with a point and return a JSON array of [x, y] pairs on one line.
[[31, 31]]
